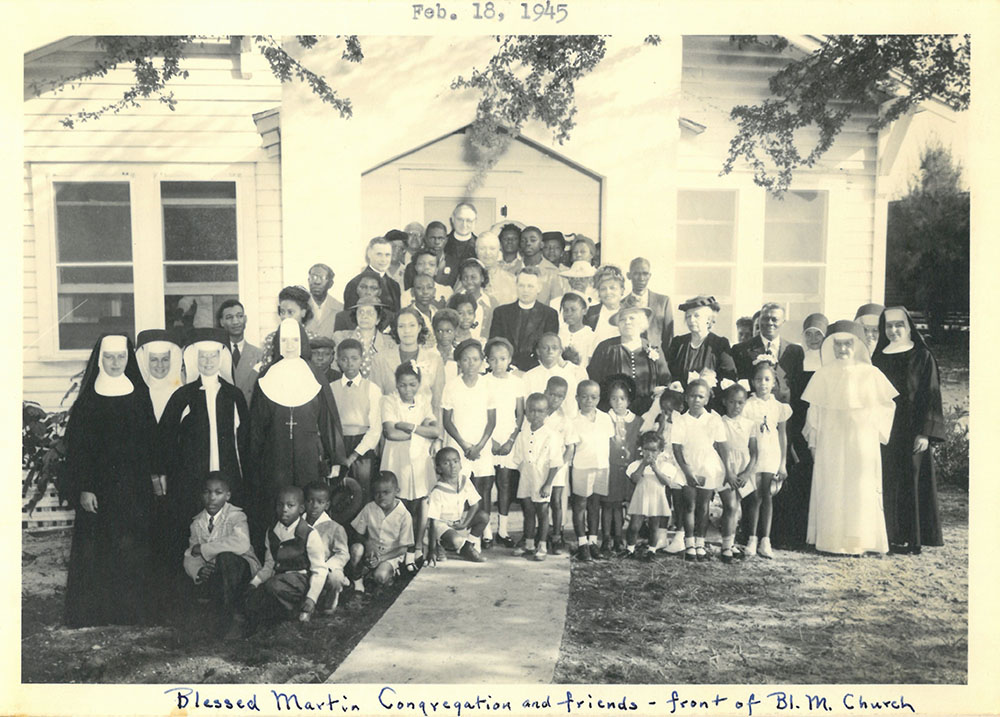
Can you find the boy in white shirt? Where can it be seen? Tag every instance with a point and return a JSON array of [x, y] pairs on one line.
[[538, 454], [386, 531], [334, 540], [456, 517]]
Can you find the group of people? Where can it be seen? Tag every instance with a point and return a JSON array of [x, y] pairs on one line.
[[366, 438]]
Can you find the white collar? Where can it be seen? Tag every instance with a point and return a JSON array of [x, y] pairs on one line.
[[218, 516], [210, 383], [775, 342], [323, 518], [381, 274], [528, 307], [280, 530], [289, 382], [461, 237], [344, 379]]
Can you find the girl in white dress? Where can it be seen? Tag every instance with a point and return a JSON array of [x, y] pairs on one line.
[[507, 386], [700, 450], [469, 419], [651, 475], [769, 414], [741, 442], [409, 428]]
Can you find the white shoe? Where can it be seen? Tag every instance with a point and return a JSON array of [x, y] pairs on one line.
[[764, 549], [751, 548], [676, 544]]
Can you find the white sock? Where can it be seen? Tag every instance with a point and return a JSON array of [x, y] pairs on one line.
[[410, 555], [688, 542], [475, 541], [727, 542], [661, 538], [699, 542], [488, 532], [592, 539], [529, 543], [359, 586], [630, 548], [502, 526]]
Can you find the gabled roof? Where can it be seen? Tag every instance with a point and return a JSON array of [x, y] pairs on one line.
[[519, 137]]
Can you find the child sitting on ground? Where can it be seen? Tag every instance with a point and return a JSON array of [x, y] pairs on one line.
[[219, 558], [294, 569], [456, 518], [650, 474], [386, 531], [538, 454], [334, 540]]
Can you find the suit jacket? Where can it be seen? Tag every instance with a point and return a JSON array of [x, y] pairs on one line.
[[389, 294], [459, 252], [523, 333], [323, 319], [661, 323], [244, 376]]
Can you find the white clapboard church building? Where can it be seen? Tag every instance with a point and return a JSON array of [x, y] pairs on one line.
[[149, 215]]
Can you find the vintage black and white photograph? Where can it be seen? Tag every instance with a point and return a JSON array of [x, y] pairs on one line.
[[496, 359]]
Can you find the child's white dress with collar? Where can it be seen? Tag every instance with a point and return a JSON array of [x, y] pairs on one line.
[[410, 460], [535, 452], [698, 437], [506, 392], [469, 406], [766, 415], [650, 496]]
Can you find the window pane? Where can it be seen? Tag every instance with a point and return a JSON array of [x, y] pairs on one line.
[[700, 206], [201, 272], [198, 190], [199, 220], [85, 315], [95, 275], [793, 280], [704, 242], [714, 281], [93, 221], [193, 310], [795, 227]]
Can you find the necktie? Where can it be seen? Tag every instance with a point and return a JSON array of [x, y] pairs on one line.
[[211, 523], [236, 356], [350, 383]]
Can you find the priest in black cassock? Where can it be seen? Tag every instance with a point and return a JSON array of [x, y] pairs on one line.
[[295, 432], [204, 428], [523, 321], [109, 463]]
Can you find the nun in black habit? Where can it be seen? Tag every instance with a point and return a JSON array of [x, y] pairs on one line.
[[295, 432], [204, 428], [909, 481], [110, 465]]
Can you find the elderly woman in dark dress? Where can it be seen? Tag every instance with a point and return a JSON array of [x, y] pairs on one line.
[[701, 351], [630, 355], [909, 483]]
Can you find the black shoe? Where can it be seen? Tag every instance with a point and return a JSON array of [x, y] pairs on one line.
[[504, 541], [487, 543], [690, 557], [583, 554], [595, 552]]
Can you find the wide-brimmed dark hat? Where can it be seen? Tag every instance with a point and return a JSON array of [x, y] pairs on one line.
[[367, 301], [699, 301]]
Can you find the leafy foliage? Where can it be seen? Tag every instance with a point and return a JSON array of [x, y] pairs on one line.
[[848, 73], [156, 60], [43, 454], [529, 77], [928, 238], [951, 456]]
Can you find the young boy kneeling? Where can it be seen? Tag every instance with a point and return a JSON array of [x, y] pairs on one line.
[[456, 517], [334, 541], [219, 558], [386, 531], [294, 569]]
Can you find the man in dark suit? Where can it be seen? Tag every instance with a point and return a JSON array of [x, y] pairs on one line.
[[661, 323], [379, 254], [523, 321], [246, 356], [461, 243]]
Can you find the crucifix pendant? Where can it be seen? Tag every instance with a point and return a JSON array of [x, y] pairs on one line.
[[291, 423]]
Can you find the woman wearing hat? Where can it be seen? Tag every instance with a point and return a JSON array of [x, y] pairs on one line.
[[293, 303], [630, 354], [701, 351], [850, 414], [909, 484], [367, 315], [579, 279], [609, 281]]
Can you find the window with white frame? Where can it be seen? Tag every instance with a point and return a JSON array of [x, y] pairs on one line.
[[795, 229], [137, 247], [705, 259]]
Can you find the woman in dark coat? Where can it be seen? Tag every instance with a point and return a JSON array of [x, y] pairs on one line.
[[631, 355], [701, 351], [909, 483], [110, 461]]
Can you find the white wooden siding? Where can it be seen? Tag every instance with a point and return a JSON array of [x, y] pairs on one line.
[[212, 124], [716, 75]]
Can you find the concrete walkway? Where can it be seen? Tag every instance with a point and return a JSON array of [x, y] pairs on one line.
[[495, 622]]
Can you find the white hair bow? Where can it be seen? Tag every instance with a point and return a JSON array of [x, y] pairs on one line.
[[693, 376], [762, 358], [676, 387], [726, 383]]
